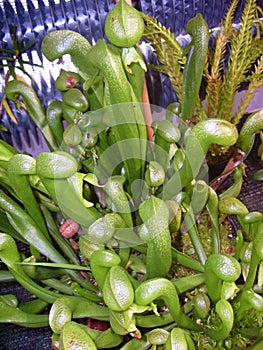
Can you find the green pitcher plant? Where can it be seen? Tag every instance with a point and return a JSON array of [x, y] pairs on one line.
[[100, 212]]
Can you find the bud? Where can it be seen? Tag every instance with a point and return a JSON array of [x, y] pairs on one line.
[[154, 175], [66, 80]]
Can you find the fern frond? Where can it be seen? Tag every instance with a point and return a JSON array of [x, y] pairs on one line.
[[222, 39], [213, 72], [170, 53], [239, 60], [212, 99], [256, 51], [260, 10], [256, 81], [229, 17], [153, 28], [241, 44]]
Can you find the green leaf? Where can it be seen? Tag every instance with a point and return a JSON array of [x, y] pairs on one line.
[[55, 265], [155, 215]]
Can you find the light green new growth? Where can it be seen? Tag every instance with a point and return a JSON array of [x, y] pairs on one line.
[[245, 50], [215, 63], [170, 53]]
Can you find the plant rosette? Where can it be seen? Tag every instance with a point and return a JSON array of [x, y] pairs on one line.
[[109, 221]]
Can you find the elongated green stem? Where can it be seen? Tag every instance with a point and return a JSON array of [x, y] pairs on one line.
[[56, 235], [212, 207], [256, 257], [33, 306], [235, 188], [152, 289], [155, 231], [178, 257], [251, 126], [16, 88], [100, 262], [193, 233], [33, 235], [151, 321], [186, 260], [10, 256], [200, 194], [193, 71], [20, 166], [29, 230], [53, 115], [248, 300], [59, 286], [7, 227], [219, 268], [85, 293], [184, 284], [6, 276], [9, 314], [120, 94], [226, 314]]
